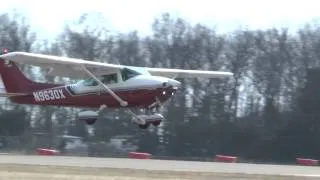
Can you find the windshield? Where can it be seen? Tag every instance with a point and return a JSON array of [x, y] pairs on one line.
[[127, 73]]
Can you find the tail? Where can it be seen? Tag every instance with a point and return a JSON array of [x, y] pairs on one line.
[[16, 83]]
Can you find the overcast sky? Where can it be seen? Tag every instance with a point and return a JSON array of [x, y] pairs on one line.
[[48, 17]]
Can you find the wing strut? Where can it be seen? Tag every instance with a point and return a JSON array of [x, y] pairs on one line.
[[122, 102]]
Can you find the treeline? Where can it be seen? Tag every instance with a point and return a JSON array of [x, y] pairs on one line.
[[267, 112]]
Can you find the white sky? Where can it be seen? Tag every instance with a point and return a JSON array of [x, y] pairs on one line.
[[124, 15]]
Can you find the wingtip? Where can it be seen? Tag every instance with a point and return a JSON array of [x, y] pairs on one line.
[[230, 74], [226, 74]]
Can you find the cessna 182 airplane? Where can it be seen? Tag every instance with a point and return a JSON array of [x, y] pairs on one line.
[[103, 85]]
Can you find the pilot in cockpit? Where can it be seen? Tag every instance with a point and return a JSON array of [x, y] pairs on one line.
[[109, 79]]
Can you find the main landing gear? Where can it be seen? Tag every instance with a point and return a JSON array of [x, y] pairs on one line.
[[143, 121], [90, 117]]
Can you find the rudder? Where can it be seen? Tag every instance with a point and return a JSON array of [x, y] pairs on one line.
[[15, 81]]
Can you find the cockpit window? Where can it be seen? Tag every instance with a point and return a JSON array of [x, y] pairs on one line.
[[105, 79], [89, 82], [127, 73], [109, 79]]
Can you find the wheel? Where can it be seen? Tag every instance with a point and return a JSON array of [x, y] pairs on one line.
[[90, 121], [156, 123], [144, 126]]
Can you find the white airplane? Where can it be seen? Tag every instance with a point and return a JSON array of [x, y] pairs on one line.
[[103, 86]]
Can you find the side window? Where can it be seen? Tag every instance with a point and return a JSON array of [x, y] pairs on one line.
[[109, 79], [90, 82]]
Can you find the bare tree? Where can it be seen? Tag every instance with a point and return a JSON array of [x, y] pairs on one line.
[[239, 54]]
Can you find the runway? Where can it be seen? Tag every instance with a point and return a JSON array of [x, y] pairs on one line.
[[161, 165]]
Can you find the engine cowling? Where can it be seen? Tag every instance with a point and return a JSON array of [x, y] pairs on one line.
[[89, 116]]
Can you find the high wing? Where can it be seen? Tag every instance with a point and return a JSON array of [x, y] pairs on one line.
[[181, 73], [61, 66], [71, 67]]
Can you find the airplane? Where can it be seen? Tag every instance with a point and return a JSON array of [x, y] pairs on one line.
[[101, 85]]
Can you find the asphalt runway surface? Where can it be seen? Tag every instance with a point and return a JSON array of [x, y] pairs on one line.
[[161, 165]]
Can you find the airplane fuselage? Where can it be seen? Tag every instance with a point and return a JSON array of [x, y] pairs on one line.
[[61, 96], [140, 91]]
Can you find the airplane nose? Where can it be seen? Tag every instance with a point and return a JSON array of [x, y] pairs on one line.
[[174, 83]]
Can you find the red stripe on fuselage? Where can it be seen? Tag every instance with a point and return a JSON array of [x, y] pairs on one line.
[[61, 97]]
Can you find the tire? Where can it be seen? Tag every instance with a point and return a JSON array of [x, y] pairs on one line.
[[90, 121], [156, 123], [143, 126]]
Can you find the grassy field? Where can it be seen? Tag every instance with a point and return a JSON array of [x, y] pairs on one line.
[[31, 172]]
